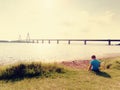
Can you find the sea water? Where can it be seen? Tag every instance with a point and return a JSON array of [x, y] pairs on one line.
[[32, 52]]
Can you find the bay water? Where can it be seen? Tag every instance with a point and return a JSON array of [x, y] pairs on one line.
[[33, 52]]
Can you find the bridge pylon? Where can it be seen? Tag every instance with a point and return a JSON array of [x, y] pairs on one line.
[[28, 38], [19, 38]]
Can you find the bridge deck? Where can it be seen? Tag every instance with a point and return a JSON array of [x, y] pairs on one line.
[[78, 39], [69, 40]]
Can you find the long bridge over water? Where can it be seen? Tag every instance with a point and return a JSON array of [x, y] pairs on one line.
[[108, 41]]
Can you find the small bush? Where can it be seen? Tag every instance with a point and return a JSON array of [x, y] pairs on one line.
[[30, 70], [113, 65]]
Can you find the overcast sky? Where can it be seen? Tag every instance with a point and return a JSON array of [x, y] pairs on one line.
[[78, 19]]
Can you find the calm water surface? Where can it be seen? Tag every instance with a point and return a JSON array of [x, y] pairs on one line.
[[21, 52]]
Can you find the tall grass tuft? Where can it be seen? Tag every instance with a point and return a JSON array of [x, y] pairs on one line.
[[30, 70], [113, 63]]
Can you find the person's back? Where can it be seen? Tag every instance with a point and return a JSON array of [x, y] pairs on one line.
[[94, 64]]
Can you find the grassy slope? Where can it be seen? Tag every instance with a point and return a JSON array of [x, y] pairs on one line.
[[71, 80]]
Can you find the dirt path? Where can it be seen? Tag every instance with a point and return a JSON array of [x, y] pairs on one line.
[[77, 64]]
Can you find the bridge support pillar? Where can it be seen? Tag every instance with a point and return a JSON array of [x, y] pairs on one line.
[[68, 41], [42, 41], [109, 42], [57, 41], [85, 42], [49, 41]]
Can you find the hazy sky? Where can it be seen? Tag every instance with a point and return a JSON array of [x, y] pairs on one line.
[[60, 19]]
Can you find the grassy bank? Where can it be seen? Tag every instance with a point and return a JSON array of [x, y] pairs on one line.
[[55, 77], [29, 70]]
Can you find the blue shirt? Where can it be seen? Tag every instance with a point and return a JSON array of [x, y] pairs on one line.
[[95, 64]]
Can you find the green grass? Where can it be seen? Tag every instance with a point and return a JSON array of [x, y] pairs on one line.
[[112, 63], [29, 70], [65, 79]]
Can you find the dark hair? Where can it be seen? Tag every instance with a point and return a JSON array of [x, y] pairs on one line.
[[93, 56]]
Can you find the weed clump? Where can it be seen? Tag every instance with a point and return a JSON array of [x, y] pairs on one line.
[[113, 65], [30, 70]]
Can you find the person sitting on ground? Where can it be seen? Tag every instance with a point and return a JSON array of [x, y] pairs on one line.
[[94, 64]]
